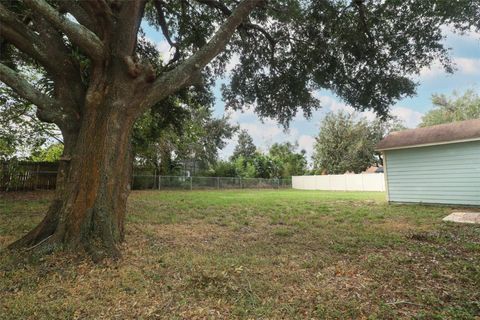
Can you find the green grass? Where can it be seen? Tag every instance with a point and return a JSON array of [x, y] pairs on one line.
[[252, 255]]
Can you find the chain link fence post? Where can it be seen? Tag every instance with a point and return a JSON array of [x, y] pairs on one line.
[[154, 178]]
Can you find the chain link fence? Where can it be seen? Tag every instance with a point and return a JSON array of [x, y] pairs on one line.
[[46, 180], [148, 182]]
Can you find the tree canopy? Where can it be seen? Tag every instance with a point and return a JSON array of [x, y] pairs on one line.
[[290, 161], [458, 107], [346, 143], [281, 160], [21, 133], [364, 51], [181, 134], [245, 147]]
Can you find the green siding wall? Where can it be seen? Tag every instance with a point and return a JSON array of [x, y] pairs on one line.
[[448, 174]]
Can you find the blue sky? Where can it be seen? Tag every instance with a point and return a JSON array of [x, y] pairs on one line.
[[465, 52]]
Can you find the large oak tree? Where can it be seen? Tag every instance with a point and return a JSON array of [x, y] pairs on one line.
[[101, 76]]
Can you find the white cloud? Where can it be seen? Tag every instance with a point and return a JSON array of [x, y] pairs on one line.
[[240, 114], [468, 66], [471, 35], [166, 51], [464, 66], [336, 106], [262, 133], [436, 69], [410, 117], [306, 142], [267, 133]]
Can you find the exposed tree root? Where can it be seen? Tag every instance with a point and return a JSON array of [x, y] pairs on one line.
[[95, 238], [42, 231]]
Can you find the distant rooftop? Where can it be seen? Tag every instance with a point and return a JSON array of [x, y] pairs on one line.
[[439, 134]]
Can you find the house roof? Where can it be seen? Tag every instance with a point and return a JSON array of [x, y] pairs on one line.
[[373, 169], [440, 134]]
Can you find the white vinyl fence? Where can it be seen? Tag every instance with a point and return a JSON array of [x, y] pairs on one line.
[[341, 182]]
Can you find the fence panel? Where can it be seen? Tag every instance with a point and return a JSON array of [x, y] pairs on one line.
[[144, 182], [28, 180], [174, 183], [341, 182], [44, 180], [204, 183]]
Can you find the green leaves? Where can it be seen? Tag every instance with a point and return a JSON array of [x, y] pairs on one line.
[[245, 147], [49, 154], [181, 130], [20, 131], [366, 52], [458, 107], [346, 143], [281, 161]]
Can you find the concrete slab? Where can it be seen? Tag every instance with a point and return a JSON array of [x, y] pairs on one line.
[[463, 217]]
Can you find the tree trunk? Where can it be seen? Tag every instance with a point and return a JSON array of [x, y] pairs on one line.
[[88, 211], [93, 184]]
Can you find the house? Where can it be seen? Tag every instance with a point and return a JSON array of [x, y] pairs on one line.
[[437, 164], [373, 169]]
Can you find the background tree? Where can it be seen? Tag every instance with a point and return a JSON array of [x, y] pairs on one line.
[[342, 145], [281, 161], [244, 168], [347, 143], [221, 168], [458, 107], [245, 147], [187, 139], [381, 128], [52, 153], [290, 161], [265, 167], [103, 74], [21, 133]]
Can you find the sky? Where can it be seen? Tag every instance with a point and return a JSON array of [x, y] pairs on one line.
[[464, 51]]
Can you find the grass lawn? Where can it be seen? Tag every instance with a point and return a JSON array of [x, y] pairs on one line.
[[252, 255]]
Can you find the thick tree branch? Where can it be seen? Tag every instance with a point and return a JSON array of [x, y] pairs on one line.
[[128, 16], [163, 22], [38, 44], [80, 14], [246, 25], [45, 45], [48, 106], [181, 76], [101, 15], [265, 33], [217, 5], [26, 44], [163, 25], [78, 34], [24, 39], [69, 88]]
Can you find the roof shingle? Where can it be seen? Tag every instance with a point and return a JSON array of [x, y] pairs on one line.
[[442, 133]]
